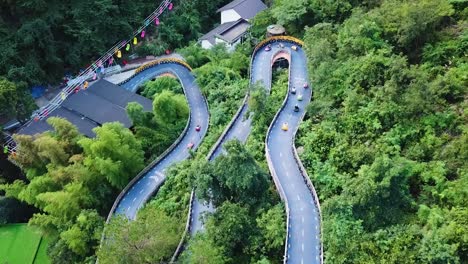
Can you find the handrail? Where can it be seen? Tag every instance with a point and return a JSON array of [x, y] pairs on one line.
[[273, 171], [187, 228], [306, 178], [165, 60], [152, 164], [278, 38], [309, 184], [231, 123], [189, 215], [213, 149], [155, 63]]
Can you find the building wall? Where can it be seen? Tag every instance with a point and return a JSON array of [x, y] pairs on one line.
[[218, 40], [206, 44], [229, 16], [231, 47]]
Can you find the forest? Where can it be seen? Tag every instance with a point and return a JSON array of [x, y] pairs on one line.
[[385, 138]]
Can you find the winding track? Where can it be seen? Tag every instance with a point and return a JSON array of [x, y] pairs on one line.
[[144, 185], [303, 240], [303, 243]]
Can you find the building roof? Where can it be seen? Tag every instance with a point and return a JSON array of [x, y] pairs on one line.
[[235, 32], [229, 32], [210, 35], [84, 125], [245, 8], [102, 102]]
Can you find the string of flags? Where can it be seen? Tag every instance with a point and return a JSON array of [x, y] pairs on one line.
[[99, 66], [81, 81], [118, 52]]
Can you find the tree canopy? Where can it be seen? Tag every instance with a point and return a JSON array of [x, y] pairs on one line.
[[140, 241], [383, 139]]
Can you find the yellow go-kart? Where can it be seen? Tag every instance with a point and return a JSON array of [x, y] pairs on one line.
[[284, 127]]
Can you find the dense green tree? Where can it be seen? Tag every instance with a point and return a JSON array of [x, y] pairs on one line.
[[8, 98], [381, 118], [139, 117], [233, 177], [170, 110], [290, 13], [260, 22], [16, 102], [273, 229], [194, 54], [152, 88], [230, 228], [114, 153], [151, 238], [83, 236], [202, 250]]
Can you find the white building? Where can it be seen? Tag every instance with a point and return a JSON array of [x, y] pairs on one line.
[[234, 23]]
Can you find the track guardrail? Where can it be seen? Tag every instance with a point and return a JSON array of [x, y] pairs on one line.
[[153, 163]]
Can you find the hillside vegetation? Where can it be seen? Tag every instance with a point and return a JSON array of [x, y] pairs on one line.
[[386, 136], [385, 139]]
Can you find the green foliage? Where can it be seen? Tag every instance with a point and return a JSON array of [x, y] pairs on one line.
[[114, 153], [297, 14], [230, 227], [245, 224], [151, 238], [151, 88], [138, 116], [16, 102], [194, 54], [263, 108], [202, 251], [83, 235], [158, 129], [260, 22], [53, 148], [234, 177], [383, 140], [271, 224], [170, 110], [66, 185], [153, 137], [409, 24]]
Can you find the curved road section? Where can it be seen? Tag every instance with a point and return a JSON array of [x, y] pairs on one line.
[[239, 128], [140, 190], [303, 244]]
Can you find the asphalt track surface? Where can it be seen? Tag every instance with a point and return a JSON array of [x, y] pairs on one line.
[[304, 226], [144, 188]]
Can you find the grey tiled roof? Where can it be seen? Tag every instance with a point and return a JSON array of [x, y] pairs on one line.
[[245, 8], [229, 32], [96, 108], [235, 32], [118, 96], [102, 102], [83, 124], [216, 31]]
